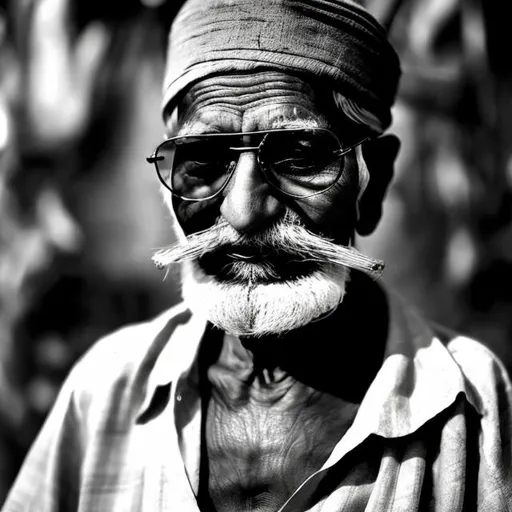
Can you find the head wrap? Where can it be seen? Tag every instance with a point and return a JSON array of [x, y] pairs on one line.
[[336, 41]]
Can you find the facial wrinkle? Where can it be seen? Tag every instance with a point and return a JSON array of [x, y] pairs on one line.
[[244, 96], [251, 84]]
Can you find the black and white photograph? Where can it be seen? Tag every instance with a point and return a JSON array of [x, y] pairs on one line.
[[255, 256]]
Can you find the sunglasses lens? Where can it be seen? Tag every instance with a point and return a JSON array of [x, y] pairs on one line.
[[301, 162], [194, 168]]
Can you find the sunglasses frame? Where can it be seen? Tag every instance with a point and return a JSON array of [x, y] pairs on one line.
[[154, 158]]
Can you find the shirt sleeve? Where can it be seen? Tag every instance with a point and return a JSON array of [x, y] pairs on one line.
[[84, 454], [49, 478], [491, 391]]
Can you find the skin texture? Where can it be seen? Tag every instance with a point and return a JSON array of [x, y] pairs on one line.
[[263, 101], [276, 406]]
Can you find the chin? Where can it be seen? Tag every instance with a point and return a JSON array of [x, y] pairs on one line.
[[259, 308]]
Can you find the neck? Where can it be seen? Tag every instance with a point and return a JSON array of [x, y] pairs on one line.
[[339, 354]]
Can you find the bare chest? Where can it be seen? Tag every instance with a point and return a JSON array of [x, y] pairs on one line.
[[257, 455]]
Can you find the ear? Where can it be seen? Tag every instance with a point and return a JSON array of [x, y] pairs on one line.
[[379, 155]]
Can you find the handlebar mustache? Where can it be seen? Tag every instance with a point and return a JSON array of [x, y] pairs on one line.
[[284, 237]]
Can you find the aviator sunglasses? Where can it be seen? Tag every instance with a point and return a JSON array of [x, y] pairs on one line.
[[299, 162]]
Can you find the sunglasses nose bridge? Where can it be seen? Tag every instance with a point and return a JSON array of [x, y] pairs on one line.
[[239, 151], [244, 149], [247, 149]]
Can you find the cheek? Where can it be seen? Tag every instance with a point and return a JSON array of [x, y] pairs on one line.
[[333, 213], [194, 217]]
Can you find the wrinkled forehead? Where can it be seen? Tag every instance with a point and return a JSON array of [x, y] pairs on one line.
[[334, 41], [250, 102]]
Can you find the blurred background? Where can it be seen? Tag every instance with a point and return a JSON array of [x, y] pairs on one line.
[[81, 214]]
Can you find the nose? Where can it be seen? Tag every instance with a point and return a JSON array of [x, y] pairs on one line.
[[249, 204]]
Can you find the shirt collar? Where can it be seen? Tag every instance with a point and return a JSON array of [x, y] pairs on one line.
[[177, 355], [417, 380]]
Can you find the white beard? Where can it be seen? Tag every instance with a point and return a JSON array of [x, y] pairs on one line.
[[258, 309]]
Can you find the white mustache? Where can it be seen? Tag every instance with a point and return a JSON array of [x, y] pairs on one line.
[[288, 237]]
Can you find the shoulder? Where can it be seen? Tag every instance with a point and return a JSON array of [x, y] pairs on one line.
[[488, 382], [116, 368], [122, 349], [478, 362], [489, 389]]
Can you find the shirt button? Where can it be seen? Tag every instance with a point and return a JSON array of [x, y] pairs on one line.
[[178, 398]]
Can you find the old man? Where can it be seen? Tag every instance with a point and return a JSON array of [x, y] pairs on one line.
[[289, 379]]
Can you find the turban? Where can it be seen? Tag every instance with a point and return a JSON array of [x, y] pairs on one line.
[[336, 41]]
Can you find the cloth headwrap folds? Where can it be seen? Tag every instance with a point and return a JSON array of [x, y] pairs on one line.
[[336, 41]]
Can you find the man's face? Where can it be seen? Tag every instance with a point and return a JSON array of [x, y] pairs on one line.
[[256, 102], [242, 288]]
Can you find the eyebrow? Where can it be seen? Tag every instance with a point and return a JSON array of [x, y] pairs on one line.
[[197, 129], [296, 123], [202, 129]]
